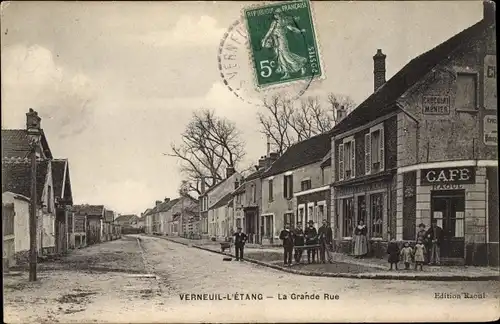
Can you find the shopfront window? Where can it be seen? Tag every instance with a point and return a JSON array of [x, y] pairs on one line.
[[348, 217], [362, 208], [376, 212]]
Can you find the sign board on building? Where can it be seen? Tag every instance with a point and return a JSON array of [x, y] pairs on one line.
[[490, 82], [490, 132], [451, 177], [436, 105]]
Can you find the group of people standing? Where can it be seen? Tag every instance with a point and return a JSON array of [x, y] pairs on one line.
[[309, 239], [425, 251]]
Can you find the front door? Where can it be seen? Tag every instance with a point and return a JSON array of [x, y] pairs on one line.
[[250, 226], [448, 209]]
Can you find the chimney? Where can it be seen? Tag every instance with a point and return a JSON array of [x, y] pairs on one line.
[[202, 189], [378, 69], [229, 172], [489, 11], [158, 202], [166, 199], [341, 113], [268, 145]]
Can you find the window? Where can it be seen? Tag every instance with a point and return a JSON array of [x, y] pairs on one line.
[[310, 213], [466, 97], [321, 212], [362, 208], [347, 159], [8, 219], [288, 186], [348, 217], [238, 199], [374, 150], [268, 226], [305, 185], [289, 219], [376, 212], [300, 216], [238, 222], [270, 190], [254, 193], [49, 199]]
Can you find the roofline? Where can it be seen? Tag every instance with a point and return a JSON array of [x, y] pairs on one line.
[[267, 175]]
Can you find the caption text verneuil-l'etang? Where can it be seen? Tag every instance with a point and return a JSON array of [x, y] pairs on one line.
[[244, 296]]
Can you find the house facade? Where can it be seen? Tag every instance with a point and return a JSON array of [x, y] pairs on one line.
[[17, 180], [298, 168], [63, 198], [94, 216], [422, 148], [211, 196], [221, 217]]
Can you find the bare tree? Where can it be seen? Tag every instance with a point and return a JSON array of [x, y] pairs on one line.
[[286, 122], [210, 144]]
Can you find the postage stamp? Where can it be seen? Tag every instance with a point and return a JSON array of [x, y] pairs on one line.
[[283, 43], [235, 69]]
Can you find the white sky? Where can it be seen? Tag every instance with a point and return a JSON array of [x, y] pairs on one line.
[[116, 82]]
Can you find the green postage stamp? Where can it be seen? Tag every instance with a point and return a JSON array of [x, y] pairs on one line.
[[283, 43]]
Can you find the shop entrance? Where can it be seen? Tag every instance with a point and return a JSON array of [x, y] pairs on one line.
[[448, 209]]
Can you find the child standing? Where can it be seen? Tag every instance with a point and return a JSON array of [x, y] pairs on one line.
[[406, 255], [393, 251], [419, 254]]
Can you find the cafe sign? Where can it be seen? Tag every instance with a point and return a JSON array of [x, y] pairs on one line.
[[448, 178], [490, 82]]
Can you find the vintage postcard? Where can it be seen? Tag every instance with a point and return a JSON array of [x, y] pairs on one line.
[[246, 162]]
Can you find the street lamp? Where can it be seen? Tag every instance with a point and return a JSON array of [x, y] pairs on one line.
[[34, 135]]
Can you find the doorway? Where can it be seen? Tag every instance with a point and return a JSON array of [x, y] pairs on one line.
[[250, 225], [448, 209]]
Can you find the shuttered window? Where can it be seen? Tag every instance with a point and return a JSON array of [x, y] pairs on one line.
[[375, 150]]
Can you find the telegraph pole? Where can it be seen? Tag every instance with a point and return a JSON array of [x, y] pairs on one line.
[[34, 134]]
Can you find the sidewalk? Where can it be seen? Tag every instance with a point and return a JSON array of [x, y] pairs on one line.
[[349, 267]]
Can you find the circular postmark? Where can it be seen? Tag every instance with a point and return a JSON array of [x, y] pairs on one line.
[[237, 68]]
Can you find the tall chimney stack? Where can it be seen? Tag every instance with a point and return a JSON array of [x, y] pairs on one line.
[[268, 145], [229, 172], [489, 9], [202, 185], [378, 69]]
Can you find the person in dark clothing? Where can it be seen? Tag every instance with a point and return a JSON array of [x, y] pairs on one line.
[[325, 239], [299, 242], [287, 237], [311, 239], [393, 251], [239, 244], [435, 237]]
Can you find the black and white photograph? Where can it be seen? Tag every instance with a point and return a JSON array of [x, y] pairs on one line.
[[249, 161]]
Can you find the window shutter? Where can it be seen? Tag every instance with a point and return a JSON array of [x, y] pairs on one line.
[[368, 159], [341, 162], [353, 158], [285, 193], [290, 185], [382, 150]]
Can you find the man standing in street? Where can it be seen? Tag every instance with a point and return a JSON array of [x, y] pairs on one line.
[[239, 244], [299, 241], [325, 239], [287, 237], [435, 237], [311, 239]]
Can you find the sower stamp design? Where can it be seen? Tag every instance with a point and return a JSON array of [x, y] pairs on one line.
[[283, 43]]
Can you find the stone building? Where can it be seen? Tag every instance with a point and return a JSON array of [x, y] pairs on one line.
[[423, 146]]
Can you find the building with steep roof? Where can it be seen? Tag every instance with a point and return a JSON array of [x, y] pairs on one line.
[[423, 148]]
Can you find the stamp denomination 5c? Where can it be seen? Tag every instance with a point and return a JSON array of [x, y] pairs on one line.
[[283, 43]]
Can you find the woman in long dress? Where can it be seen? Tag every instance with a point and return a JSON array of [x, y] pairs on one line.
[[287, 62], [360, 240]]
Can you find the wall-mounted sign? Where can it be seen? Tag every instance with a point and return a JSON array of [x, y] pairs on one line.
[[490, 132], [436, 105], [490, 82], [448, 176]]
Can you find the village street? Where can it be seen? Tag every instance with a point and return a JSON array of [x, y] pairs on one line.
[[131, 280]]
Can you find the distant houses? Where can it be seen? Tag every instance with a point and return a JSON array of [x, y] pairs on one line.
[[61, 226]]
